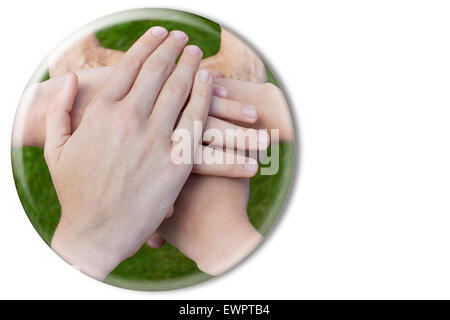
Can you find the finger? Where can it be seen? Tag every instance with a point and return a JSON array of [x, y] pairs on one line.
[[221, 133], [220, 91], [217, 89], [196, 112], [130, 64], [175, 91], [233, 110], [155, 241], [228, 163], [239, 90], [155, 71], [58, 127]]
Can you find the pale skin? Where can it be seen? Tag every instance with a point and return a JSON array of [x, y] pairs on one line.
[[269, 101], [245, 80], [235, 60], [212, 194], [90, 79], [256, 105], [223, 199], [132, 120], [30, 129], [234, 245], [273, 113], [210, 223], [244, 72], [83, 54]]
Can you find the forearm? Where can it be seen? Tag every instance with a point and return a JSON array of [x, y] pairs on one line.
[[215, 251]]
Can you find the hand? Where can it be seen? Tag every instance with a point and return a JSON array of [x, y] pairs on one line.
[[114, 175], [273, 113], [29, 127], [235, 59], [83, 54], [210, 224], [269, 101]]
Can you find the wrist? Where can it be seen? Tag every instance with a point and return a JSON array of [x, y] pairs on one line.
[[85, 252], [228, 248]]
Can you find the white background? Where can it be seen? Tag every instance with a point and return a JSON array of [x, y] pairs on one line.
[[369, 214]]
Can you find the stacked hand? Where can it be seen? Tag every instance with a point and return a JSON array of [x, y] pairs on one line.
[[235, 59], [114, 175], [210, 223], [83, 54], [109, 146]]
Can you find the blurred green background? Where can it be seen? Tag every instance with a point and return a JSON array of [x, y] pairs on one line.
[[150, 269]]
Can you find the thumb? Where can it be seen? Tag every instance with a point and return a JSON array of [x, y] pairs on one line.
[[58, 127]]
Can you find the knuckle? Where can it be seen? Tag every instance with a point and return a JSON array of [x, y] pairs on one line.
[[131, 62], [157, 65], [193, 115], [200, 102], [148, 42], [177, 87], [203, 94]]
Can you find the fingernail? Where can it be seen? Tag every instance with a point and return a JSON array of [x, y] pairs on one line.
[[194, 50], [155, 241], [158, 31], [154, 245], [204, 75], [179, 35], [220, 91], [249, 112], [251, 166]]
